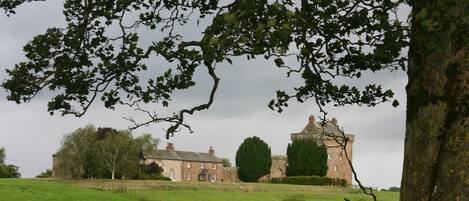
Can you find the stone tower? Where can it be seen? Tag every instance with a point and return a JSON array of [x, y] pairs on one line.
[[337, 163]]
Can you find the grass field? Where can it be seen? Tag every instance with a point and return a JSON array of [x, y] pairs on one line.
[[105, 190]]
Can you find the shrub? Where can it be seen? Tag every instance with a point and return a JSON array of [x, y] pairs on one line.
[[306, 158], [310, 180], [9, 171], [253, 159], [45, 174], [152, 171]]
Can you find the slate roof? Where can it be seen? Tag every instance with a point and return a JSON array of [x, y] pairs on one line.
[[184, 156]]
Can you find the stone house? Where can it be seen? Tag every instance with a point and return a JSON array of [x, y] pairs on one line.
[[337, 164], [191, 166]]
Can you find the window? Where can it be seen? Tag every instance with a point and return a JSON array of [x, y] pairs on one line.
[[188, 176], [172, 175], [202, 165], [335, 168], [214, 166], [328, 156], [188, 164]]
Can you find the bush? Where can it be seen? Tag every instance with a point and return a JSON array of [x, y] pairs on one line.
[[9, 171], [310, 180], [152, 171], [394, 189], [46, 174], [306, 158], [253, 159], [155, 177]]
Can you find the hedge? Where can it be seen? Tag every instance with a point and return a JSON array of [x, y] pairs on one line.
[[310, 180], [154, 177]]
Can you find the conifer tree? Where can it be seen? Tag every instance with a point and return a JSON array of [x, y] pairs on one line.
[[253, 159]]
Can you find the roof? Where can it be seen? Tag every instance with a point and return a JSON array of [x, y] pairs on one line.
[[317, 130], [184, 156]]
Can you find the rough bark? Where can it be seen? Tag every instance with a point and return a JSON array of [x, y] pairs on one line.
[[436, 161]]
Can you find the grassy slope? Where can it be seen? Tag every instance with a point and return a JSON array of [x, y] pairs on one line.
[[39, 190], [86, 190]]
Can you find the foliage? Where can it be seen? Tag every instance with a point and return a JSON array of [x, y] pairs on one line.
[[7, 170], [226, 162], [394, 189], [2, 155], [152, 171], [77, 155], [306, 158], [86, 61], [253, 159], [310, 180], [45, 174], [117, 154], [102, 153]]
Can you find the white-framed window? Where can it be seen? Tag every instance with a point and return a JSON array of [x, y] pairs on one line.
[[214, 166], [202, 165], [188, 176], [172, 174], [188, 164], [328, 156]]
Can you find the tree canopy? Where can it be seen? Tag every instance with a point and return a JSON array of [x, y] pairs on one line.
[[329, 39], [306, 158], [86, 61], [253, 159], [102, 153]]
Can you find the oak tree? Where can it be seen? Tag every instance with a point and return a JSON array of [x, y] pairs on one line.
[[329, 39]]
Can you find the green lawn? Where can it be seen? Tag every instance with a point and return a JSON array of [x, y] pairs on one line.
[[97, 190]]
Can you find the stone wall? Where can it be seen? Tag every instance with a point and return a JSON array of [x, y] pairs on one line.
[[337, 164], [171, 168], [279, 166], [191, 171], [229, 174]]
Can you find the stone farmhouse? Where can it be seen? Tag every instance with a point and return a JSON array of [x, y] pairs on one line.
[[191, 166], [337, 164]]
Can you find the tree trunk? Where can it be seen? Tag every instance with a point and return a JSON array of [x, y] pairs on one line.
[[436, 159], [112, 176]]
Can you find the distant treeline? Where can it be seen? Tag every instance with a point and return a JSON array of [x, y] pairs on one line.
[[7, 170]]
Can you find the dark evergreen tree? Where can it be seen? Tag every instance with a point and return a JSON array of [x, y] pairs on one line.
[[306, 158], [253, 159]]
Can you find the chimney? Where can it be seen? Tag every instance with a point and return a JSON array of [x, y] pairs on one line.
[[211, 151], [334, 121], [170, 146], [312, 119]]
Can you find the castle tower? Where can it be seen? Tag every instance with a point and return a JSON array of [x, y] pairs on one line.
[[338, 166]]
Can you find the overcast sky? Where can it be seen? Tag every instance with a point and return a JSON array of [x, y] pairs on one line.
[[30, 135]]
